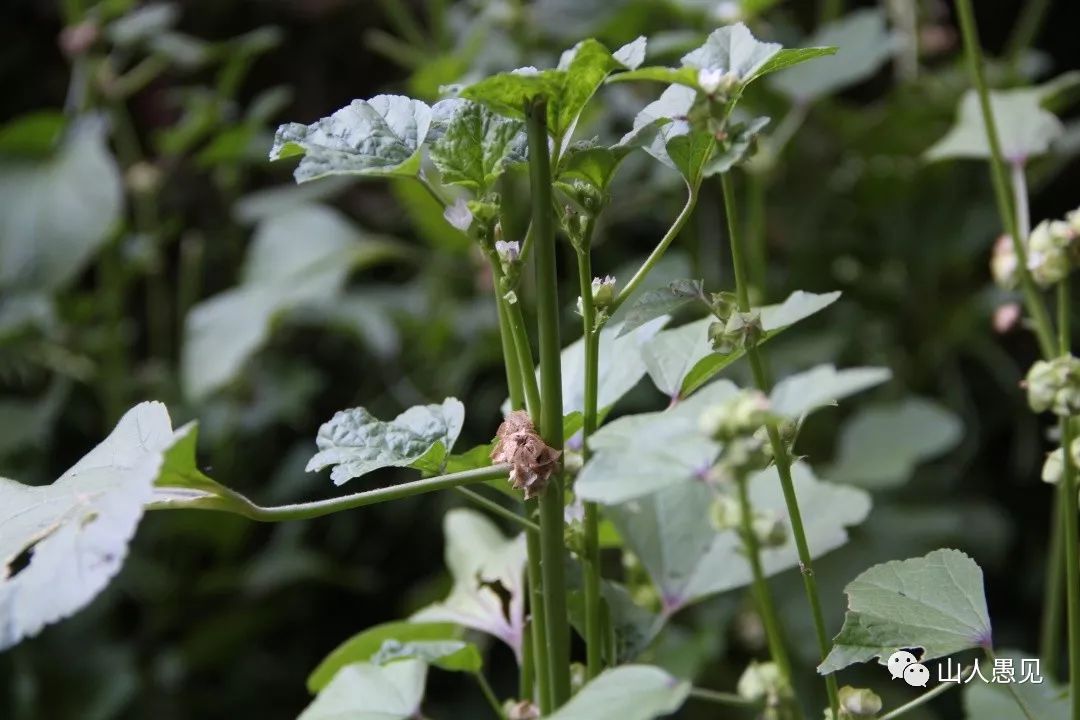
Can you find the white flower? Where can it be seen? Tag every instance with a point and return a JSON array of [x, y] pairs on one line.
[[459, 215], [709, 80], [528, 70], [508, 251]]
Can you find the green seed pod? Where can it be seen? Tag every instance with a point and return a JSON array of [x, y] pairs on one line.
[[859, 703]]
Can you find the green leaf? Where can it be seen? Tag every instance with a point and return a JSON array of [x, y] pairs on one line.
[[366, 644], [688, 560], [636, 455], [935, 602], [689, 152], [798, 395], [480, 559], [734, 49], [56, 213], [671, 355], [736, 147], [629, 692], [452, 655], [774, 319], [593, 165], [655, 303], [280, 275], [1025, 128], [77, 529], [864, 44], [33, 135], [377, 137], [881, 445], [686, 76], [355, 442], [476, 145], [1047, 700], [363, 691]]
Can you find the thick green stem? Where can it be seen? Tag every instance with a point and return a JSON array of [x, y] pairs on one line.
[[780, 452], [538, 617], [774, 633], [1070, 527], [489, 695], [1054, 590], [658, 251], [551, 417], [236, 503], [999, 174], [594, 640], [525, 358]]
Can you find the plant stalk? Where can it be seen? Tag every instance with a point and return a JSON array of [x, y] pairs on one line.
[[1032, 300], [921, 700], [1070, 526], [594, 661], [780, 452], [552, 543]]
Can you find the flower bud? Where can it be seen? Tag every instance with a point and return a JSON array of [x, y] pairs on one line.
[[603, 291], [725, 513], [521, 710], [761, 680], [509, 252], [742, 414], [1005, 317], [1003, 263], [1054, 465], [858, 703], [769, 530], [1049, 255], [1054, 385]]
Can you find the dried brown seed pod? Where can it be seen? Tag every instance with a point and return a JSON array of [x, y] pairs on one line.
[[531, 460]]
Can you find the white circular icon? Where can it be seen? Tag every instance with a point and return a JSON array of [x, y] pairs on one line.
[[899, 661], [916, 675]]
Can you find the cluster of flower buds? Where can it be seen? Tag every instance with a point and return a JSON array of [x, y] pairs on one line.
[[1054, 385], [733, 330], [737, 424], [1054, 465], [857, 704], [726, 514], [603, 295], [1053, 250], [764, 683]]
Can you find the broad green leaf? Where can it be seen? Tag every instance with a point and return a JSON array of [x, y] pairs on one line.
[[637, 455], [355, 442], [365, 644], [481, 558], [670, 355], [864, 43], [800, 394], [57, 212], [663, 301], [568, 88], [689, 153], [453, 655], [476, 146], [621, 365], [594, 165], [1047, 700], [881, 445], [935, 602], [280, 275], [688, 560], [685, 76], [1025, 128], [378, 137], [774, 319], [33, 135], [181, 485], [77, 529], [629, 692], [363, 691]]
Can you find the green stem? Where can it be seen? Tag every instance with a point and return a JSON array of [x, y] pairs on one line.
[[525, 358], [1070, 527], [780, 452], [489, 695], [921, 700], [496, 509], [774, 633], [755, 229], [236, 503], [538, 616], [1017, 697], [594, 656], [551, 416], [722, 698], [658, 251], [1035, 307], [1054, 590]]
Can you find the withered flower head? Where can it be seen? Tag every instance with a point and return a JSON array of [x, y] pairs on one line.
[[531, 460]]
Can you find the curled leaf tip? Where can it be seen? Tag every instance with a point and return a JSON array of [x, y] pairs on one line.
[[531, 460]]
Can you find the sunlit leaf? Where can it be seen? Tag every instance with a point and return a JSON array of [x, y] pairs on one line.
[[629, 692], [381, 136], [355, 442], [57, 212], [804, 392], [670, 355], [881, 445], [364, 691], [480, 559], [476, 146], [935, 602], [663, 301], [77, 529]]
